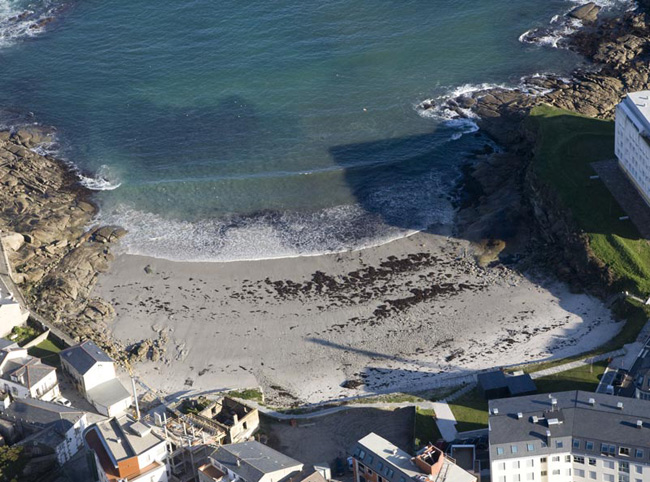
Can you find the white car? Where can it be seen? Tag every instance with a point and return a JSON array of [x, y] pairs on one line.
[[64, 401]]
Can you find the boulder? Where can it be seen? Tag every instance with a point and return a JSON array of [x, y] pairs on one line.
[[13, 241], [586, 13]]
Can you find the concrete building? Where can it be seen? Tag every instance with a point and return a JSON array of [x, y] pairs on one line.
[[249, 462], [23, 376], [11, 313], [127, 450], [633, 140], [375, 459], [93, 373], [46, 424], [570, 436]]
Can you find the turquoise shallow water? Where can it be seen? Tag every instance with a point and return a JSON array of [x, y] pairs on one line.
[[239, 130]]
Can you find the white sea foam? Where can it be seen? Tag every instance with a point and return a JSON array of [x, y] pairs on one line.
[[266, 236], [561, 26], [103, 180], [22, 19]]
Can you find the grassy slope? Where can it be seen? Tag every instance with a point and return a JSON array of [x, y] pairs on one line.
[[566, 145], [47, 351]]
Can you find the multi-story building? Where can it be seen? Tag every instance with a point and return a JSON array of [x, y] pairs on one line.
[[570, 436], [375, 459], [633, 139], [249, 462], [55, 426], [127, 450], [23, 376], [93, 373]]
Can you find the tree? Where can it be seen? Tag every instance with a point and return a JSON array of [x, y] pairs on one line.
[[12, 462]]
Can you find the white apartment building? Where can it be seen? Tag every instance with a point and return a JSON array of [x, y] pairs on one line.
[[633, 139], [570, 436]]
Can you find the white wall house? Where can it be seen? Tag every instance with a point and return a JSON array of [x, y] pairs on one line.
[[633, 140], [93, 373], [11, 314], [23, 376], [125, 449], [572, 436]]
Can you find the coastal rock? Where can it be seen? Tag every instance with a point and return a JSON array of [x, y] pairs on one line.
[[13, 241], [586, 13]]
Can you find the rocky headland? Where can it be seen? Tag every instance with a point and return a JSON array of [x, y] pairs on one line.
[[506, 204], [55, 256]]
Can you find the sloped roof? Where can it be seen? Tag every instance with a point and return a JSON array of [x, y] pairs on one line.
[[109, 393], [38, 412], [84, 356], [256, 460], [32, 371]]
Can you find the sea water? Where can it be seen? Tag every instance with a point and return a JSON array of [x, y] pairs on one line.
[[256, 129]]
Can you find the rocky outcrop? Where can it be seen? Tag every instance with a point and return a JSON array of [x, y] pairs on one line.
[[587, 13], [44, 219], [512, 203]]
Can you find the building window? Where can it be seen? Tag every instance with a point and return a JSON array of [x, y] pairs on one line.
[[502, 466], [530, 463], [624, 467], [380, 465], [568, 472], [362, 454], [559, 444], [502, 478], [370, 459], [638, 469], [579, 460], [567, 458], [516, 478], [592, 461], [515, 464], [592, 475], [513, 449], [608, 464], [625, 451], [530, 476], [542, 460], [580, 473], [576, 443], [623, 478], [556, 472], [556, 458], [544, 473], [589, 445], [608, 477], [499, 450], [369, 472], [530, 447]]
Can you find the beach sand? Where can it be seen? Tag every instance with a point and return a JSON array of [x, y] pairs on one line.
[[413, 314]]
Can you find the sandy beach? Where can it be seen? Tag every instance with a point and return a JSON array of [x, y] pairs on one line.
[[409, 315]]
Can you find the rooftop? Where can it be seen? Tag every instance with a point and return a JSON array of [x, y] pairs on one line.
[[389, 455], [37, 412], [255, 460], [84, 356], [608, 418], [26, 371], [109, 393], [125, 437]]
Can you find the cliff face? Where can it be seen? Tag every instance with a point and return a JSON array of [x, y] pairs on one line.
[[514, 205]]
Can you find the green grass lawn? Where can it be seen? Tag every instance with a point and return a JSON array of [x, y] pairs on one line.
[[470, 411], [47, 351], [426, 429], [567, 143], [254, 394], [582, 378]]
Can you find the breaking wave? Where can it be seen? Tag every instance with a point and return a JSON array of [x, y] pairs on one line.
[[20, 19]]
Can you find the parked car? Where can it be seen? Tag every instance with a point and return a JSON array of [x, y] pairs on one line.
[[63, 401]]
